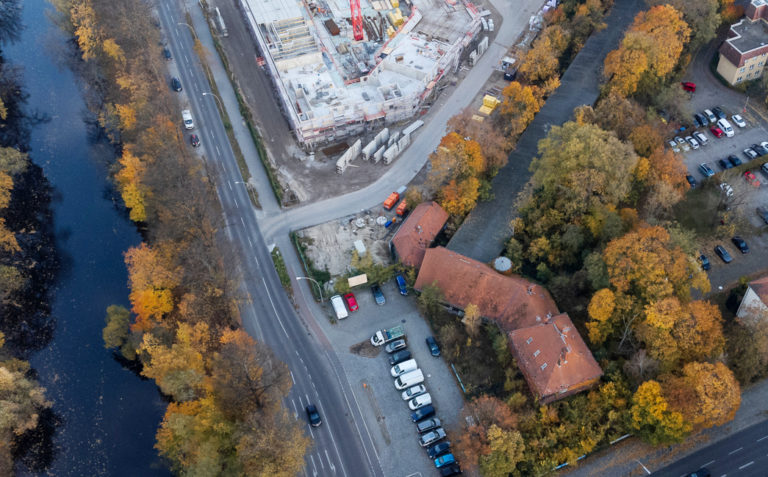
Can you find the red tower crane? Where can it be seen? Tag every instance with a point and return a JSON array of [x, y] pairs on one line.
[[357, 19]]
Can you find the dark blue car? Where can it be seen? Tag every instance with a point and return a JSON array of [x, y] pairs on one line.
[[401, 285], [434, 349], [422, 413]]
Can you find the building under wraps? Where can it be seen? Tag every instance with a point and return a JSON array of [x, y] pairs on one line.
[[332, 86]]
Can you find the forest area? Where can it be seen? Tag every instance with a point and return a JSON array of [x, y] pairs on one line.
[[597, 225], [182, 330]]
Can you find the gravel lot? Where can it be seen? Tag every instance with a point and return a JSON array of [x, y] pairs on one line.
[[389, 417]]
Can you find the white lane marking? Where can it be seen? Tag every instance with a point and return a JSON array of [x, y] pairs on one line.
[[330, 464], [269, 295], [314, 467], [218, 150], [186, 58], [735, 451], [249, 242], [707, 464], [294, 381], [229, 184], [762, 438], [295, 411], [237, 206], [320, 458], [746, 465], [241, 220]]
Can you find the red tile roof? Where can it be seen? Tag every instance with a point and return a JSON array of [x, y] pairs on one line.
[[418, 231], [511, 301], [760, 286], [554, 359]]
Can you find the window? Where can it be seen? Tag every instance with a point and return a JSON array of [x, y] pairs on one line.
[[543, 366], [749, 75], [760, 64], [536, 353], [738, 80], [740, 71], [529, 340]]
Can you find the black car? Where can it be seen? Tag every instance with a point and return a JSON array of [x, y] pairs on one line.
[[734, 160], [741, 244], [313, 416], [703, 472], [723, 254], [699, 120], [399, 357], [691, 180], [194, 140], [704, 262], [453, 469], [167, 54], [439, 449], [718, 112], [434, 349], [725, 163], [422, 413], [175, 84], [760, 150]]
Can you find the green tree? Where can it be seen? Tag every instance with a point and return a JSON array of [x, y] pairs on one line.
[[506, 450], [117, 333]]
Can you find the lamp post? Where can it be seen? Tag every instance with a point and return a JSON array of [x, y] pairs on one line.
[[319, 289], [221, 104], [190, 28], [644, 467]]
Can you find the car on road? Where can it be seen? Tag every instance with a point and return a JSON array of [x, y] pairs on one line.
[[688, 86], [439, 449], [701, 137], [716, 131], [734, 160], [725, 163], [710, 115], [741, 244], [186, 116], [763, 213], [444, 460], [448, 471], [703, 472], [351, 302], [420, 401], [749, 176], [694, 143], [313, 415], [413, 391], [399, 357], [759, 149], [176, 84], [194, 140], [726, 127], [739, 121], [431, 437], [378, 295], [434, 349], [723, 254], [718, 112], [423, 413], [750, 154], [396, 345], [428, 425], [167, 54], [706, 170], [704, 262], [401, 286]]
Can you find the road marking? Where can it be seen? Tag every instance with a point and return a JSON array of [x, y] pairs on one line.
[[762, 438], [241, 220], [320, 458], [229, 184], [708, 463], [295, 410], [218, 150], [314, 467], [746, 465], [249, 242], [236, 205], [294, 381], [330, 464], [735, 451], [269, 295]]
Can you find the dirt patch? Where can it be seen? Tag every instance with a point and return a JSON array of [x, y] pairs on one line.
[[336, 149], [365, 349]]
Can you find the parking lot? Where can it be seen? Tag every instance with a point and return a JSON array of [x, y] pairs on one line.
[[368, 372]]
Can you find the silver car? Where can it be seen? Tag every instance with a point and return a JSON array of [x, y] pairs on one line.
[[431, 437], [395, 346], [413, 391], [694, 143], [428, 425]]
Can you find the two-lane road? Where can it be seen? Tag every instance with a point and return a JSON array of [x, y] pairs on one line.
[[342, 445]]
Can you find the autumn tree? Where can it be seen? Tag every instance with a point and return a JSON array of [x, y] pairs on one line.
[[152, 278], [271, 445], [702, 16], [457, 167], [129, 179], [487, 133], [117, 333], [653, 419], [487, 412], [518, 108], [506, 450], [472, 319], [542, 62]]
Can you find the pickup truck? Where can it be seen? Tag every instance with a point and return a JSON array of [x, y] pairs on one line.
[[385, 336]]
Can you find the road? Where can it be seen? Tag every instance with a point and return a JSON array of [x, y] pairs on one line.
[[341, 445], [740, 455]]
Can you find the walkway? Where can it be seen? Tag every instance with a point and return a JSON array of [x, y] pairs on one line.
[[486, 230]]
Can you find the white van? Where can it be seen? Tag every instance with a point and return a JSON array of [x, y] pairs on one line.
[[403, 368], [420, 401], [409, 379], [725, 126], [338, 307]]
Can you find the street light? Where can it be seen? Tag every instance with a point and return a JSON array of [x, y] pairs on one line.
[[315, 282], [644, 467], [221, 104], [190, 28]]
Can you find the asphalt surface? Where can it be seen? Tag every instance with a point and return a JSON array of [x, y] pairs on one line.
[[341, 447], [741, 455]]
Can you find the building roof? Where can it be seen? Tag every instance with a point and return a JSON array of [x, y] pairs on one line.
[[760, 287], [418, 231], [511, 301], [746, 39], [553, 357]]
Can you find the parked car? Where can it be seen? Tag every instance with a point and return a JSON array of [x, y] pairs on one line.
[[423, 413], [396, 345], [764, 168], [682, 144], [401, 285], [167, 54], [194, 140], [450, 470], [186, 116], [694, 143], [739, 121], [701, 137], [699, 120], [175, 84], [725, 163], [716, 131], [438, 449], [704, 262], [413, 391], [764, 145], [688, 86], [750, 154], [763, 213], [434, 349], [351, 301], [719, 113], [723, 254], [759, 149], [313, 415], [741, 244], [404, 367], [734, 160], [726, 127], [749, 176], [727, 189], [431, 437], [710, 115], [399, 357], [420, 401], [706, 170], [378, 295], [428, 425], [444, 460], [673, 145]]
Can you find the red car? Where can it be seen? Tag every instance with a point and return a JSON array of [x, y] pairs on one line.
[[351, 302], [750, 177], [688, 86], [716, 131], [194, 140]]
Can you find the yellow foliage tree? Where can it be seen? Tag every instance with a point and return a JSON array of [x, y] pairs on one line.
[[652, 418], [178, 369], [129, 179], [706, 394]]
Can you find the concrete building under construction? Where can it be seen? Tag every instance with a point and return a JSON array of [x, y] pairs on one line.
[[332, 85]]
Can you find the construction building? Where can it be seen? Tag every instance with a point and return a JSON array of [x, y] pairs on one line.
[[343, 67]]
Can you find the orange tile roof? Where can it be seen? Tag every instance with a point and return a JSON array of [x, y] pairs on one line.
[[511, 301], [760, 286], [418, 231], [554, 359]]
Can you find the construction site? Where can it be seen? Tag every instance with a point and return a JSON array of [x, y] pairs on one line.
[[348, 67]]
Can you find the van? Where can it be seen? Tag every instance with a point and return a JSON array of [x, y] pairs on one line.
[[403, 368], [725, 126], [409, 379], [420, 401], [338, 307]]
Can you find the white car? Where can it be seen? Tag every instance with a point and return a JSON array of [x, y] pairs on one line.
[[413, 391], [727, 189], [739, 121], [726, 127], [710, 115], [681, 142], [750, 154], [701, 137], [694, 143], [187, 117], [765, 145], [673, 145], [420, 401]]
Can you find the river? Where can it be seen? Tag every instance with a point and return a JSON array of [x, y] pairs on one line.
[[107, 416]]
